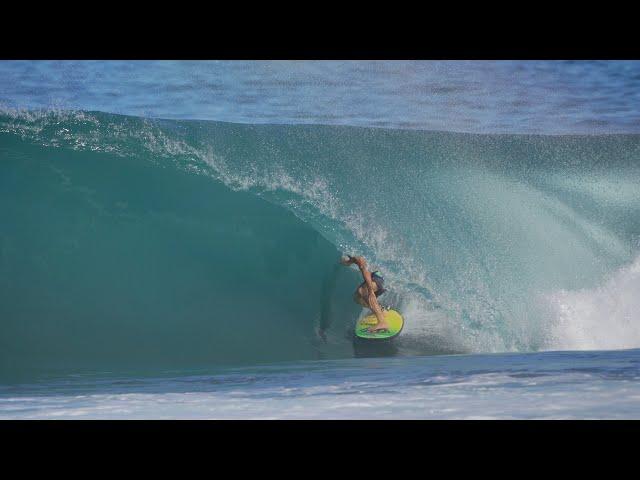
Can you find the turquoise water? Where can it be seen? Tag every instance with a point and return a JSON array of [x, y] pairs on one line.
[[132, 241], [180, 252]]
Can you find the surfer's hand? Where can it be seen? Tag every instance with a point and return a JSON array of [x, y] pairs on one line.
[[346, 260]]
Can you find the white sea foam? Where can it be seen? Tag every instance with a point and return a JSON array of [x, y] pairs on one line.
[[605, 317], [523, 386]]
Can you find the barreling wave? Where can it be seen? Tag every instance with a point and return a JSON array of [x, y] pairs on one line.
[[135, 242]]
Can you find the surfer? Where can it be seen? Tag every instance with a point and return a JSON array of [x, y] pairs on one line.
[[367, 292]]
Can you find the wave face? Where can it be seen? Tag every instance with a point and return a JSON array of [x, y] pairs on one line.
[[135, 242]]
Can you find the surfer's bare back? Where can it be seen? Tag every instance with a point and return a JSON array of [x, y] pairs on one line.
[[366, 294]]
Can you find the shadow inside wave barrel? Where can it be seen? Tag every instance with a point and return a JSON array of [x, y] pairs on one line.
[[406, 345], [363, 348]]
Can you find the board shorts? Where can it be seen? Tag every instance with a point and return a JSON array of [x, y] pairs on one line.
[[379, 281]]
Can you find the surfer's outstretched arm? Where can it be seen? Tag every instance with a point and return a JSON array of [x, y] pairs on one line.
[[372, 300]]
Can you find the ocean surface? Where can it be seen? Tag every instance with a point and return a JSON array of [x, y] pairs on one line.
[[170, 232]]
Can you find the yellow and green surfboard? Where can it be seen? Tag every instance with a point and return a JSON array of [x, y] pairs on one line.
[[393, 318]]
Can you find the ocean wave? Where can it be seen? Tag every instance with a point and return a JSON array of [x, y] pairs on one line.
[[131, 241]]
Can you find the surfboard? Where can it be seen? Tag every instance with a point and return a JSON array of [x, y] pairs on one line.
[[393, 318]]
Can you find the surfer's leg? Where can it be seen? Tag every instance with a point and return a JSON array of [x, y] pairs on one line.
[[360, 296], [367, 299], [382, 323]]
